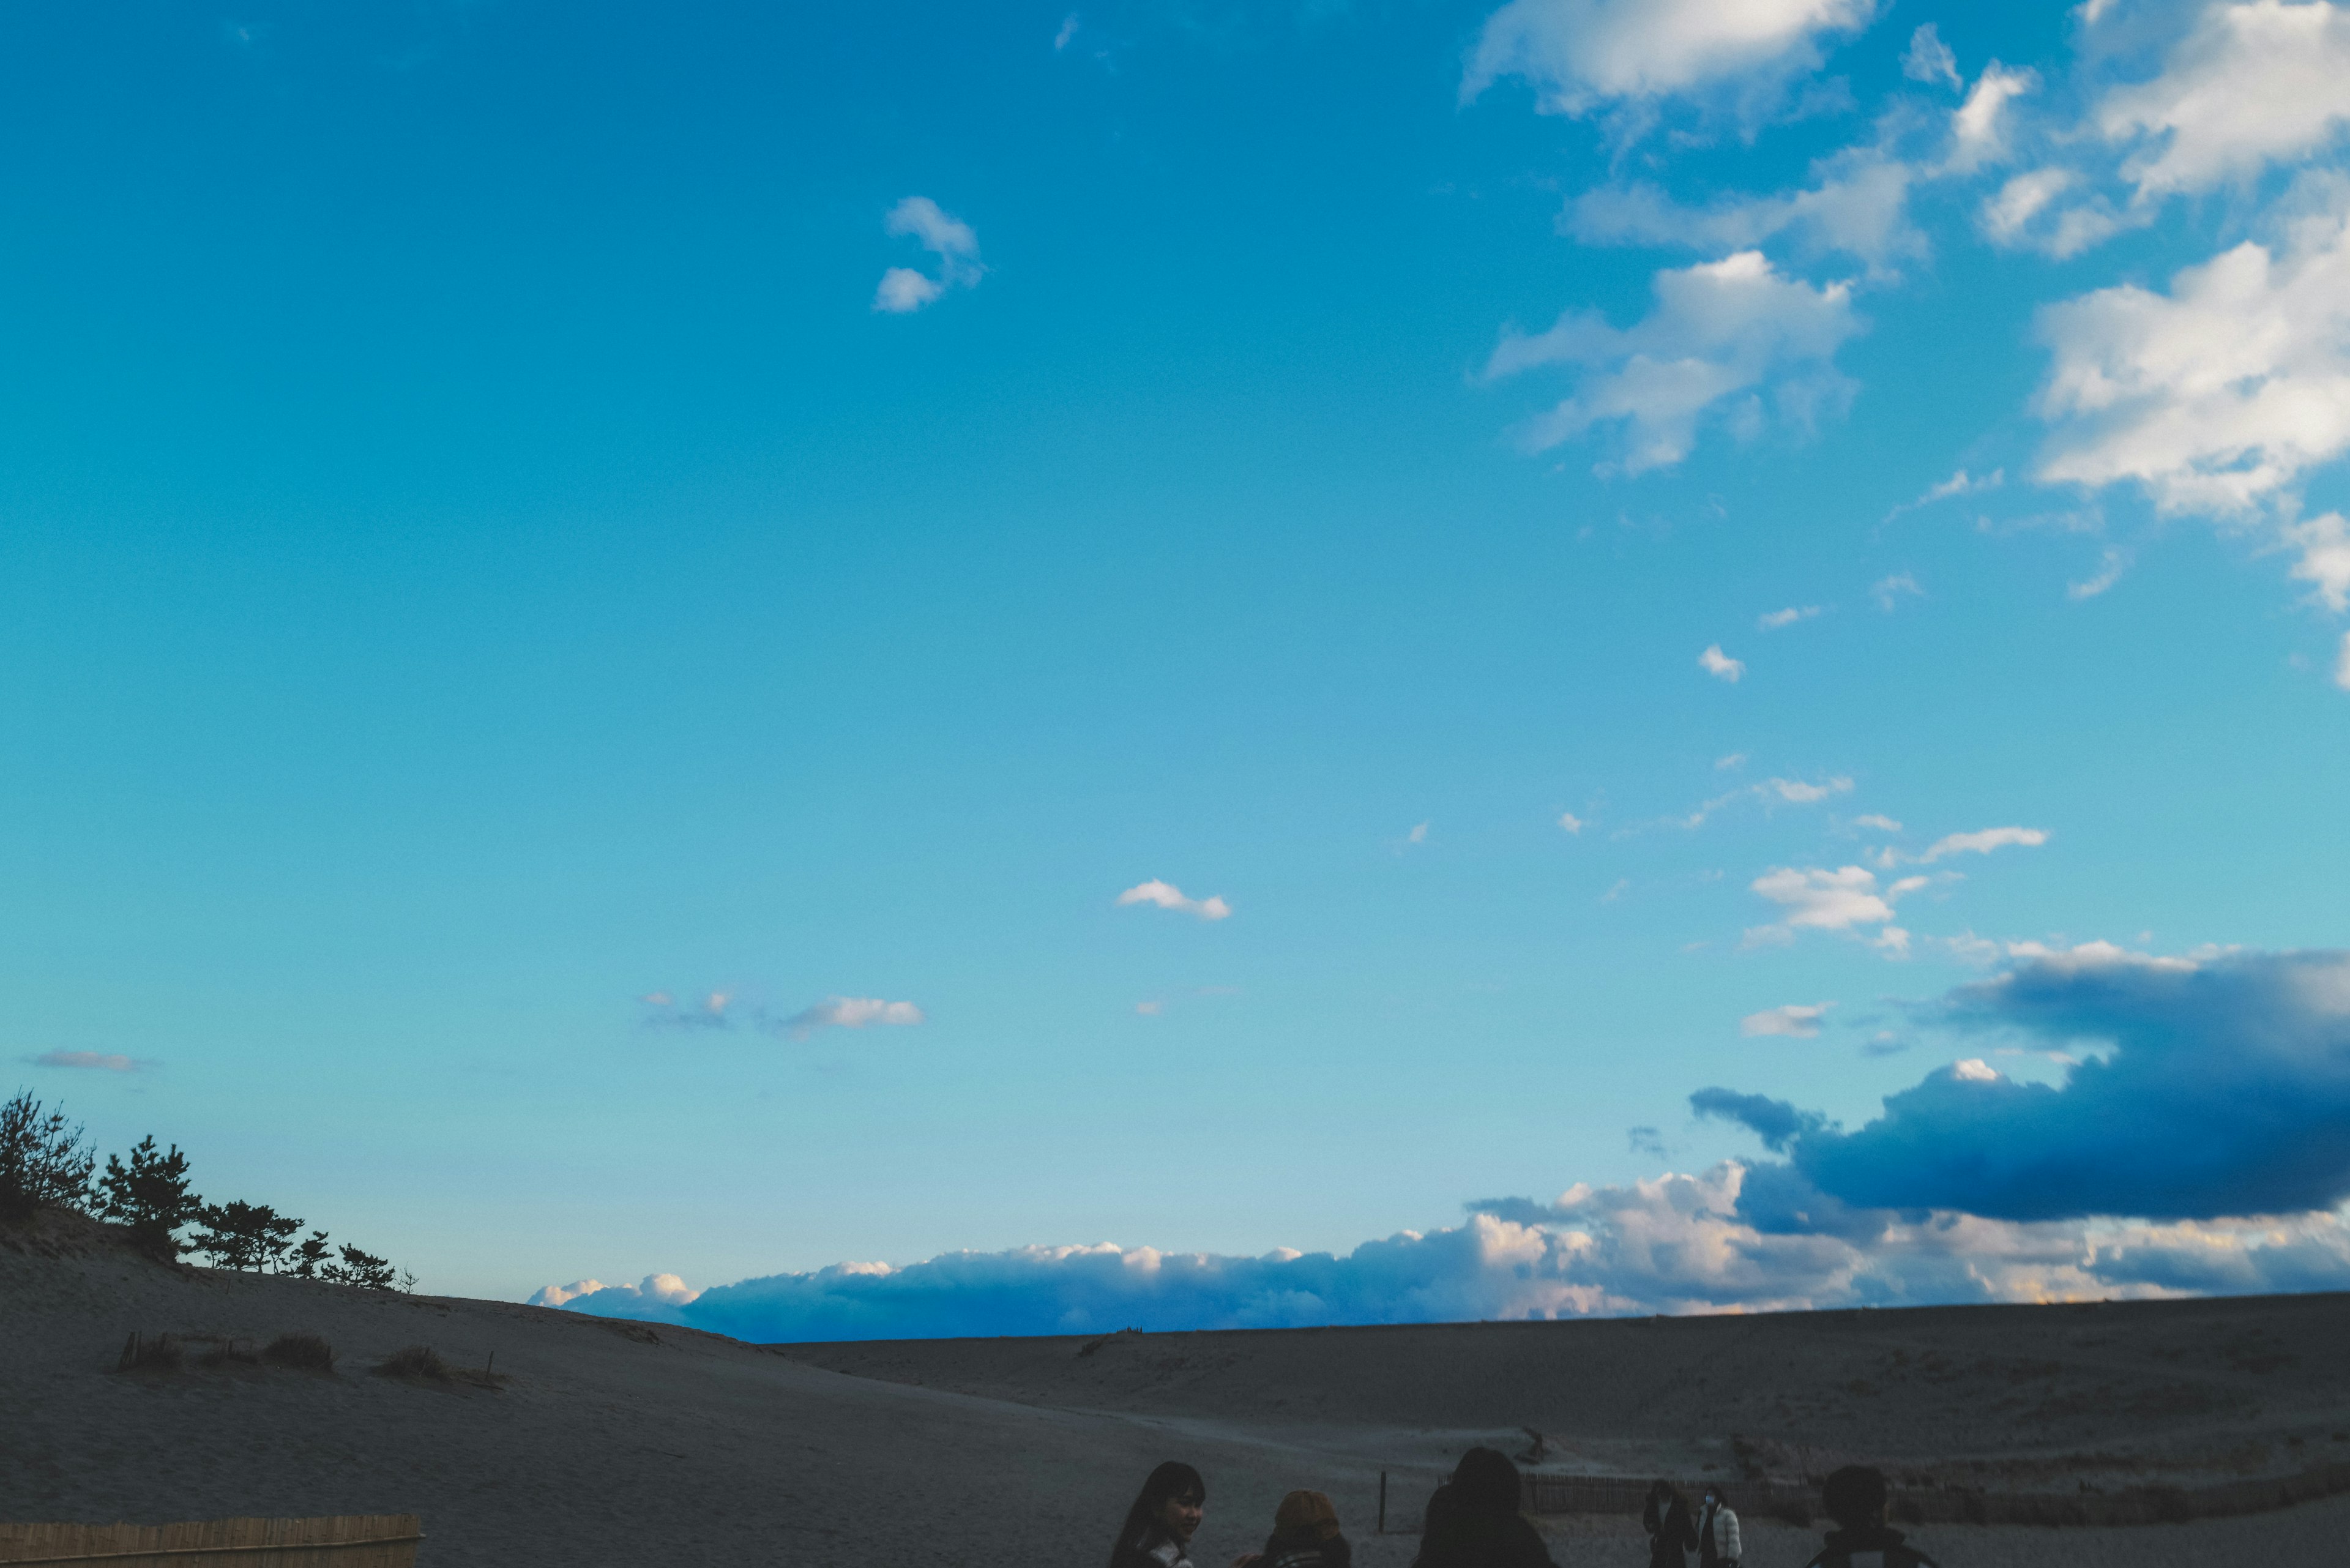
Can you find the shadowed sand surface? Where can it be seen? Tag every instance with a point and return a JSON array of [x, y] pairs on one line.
[[618, 1443]]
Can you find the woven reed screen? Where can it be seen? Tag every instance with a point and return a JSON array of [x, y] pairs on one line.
[[347, 1540]]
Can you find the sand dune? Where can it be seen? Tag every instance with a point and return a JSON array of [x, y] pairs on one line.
[[618, 1443]]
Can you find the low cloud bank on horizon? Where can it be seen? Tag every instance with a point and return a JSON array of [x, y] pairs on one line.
[[2200, 1143]]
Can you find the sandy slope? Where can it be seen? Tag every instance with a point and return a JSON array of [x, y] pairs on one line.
[[619, 1444]]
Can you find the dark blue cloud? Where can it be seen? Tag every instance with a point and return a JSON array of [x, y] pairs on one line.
[[2209, 1088]]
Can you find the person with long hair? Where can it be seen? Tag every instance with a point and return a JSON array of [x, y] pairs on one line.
[[1305, 1535], [1165, 1516], [1672, 1533], [1474, 1520]]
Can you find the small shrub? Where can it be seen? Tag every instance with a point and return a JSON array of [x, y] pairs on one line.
[[228, 1352], [302, 1351], [139, 1354], [417, 1361]]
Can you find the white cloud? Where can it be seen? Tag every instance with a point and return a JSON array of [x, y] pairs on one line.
[[2254, 83], [1719, 665], [1718, 329], [948, 238], [2324, 547], [1891, 591], [2219, 395], [99, 1061], [1570, 822], [1882, 824], [1814, 899], [1150, 1009], [1982, 842], [1783, 618], [1856, 205], [1069, 30], [2110, 567], [851, 1012], [1978, 126], [1734, 760], [1584, 55], [1675, 1244], [2342, 664], [1975, 1070], [1959, 484], [1794, 792], [657, 1291], [1799, 1021], [1772, 792], [2012, 218], [1928, 60], [1419, 835], [1167, 896]]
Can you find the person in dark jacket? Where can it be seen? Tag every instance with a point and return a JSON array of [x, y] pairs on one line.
[[1855, 1498], [1474, 1520], [1160, 1526], [1672, 1534]]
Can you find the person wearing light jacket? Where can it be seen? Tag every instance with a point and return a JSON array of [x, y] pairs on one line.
[[1716, 1533]]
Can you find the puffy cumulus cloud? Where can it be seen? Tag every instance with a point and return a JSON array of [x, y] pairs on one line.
[[850, 1012], [1167, 896], [1719, 665], [1799, 1020], [2342, 664], [1844, 900], [1487, 1268], [951, 242], [656, 1293], [2251, 85], [2201, 1088], [2219, 394], [1979, 127], [1581, 56], [1728, 1238], [1721, 332], [2323, 545]]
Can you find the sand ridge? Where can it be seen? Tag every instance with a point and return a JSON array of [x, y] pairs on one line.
[[620, 1443]]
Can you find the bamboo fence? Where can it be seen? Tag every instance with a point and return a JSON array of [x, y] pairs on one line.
[[347, 1540], [1938, 1505]]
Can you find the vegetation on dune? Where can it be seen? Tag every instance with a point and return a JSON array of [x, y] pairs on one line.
[[46, 1162]]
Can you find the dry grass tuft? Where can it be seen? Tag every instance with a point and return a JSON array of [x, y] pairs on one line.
[[140, 1353], [302, 1351], [419, 1362]]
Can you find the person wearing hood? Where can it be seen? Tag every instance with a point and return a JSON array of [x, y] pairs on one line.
[[1855, 1497], [1474, 1520]]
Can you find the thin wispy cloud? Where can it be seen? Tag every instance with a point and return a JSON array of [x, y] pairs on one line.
[[1167, 896], [1888, 592], [952, 245], [1796, 1021], [1778, 619], [1569, 821], [666, 1012], [2111, 565], [1928, 60], [90, 1060], [1959, 484], [850, 1012]]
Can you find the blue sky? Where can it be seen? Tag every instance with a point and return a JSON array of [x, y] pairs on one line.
[[1632, 558]]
